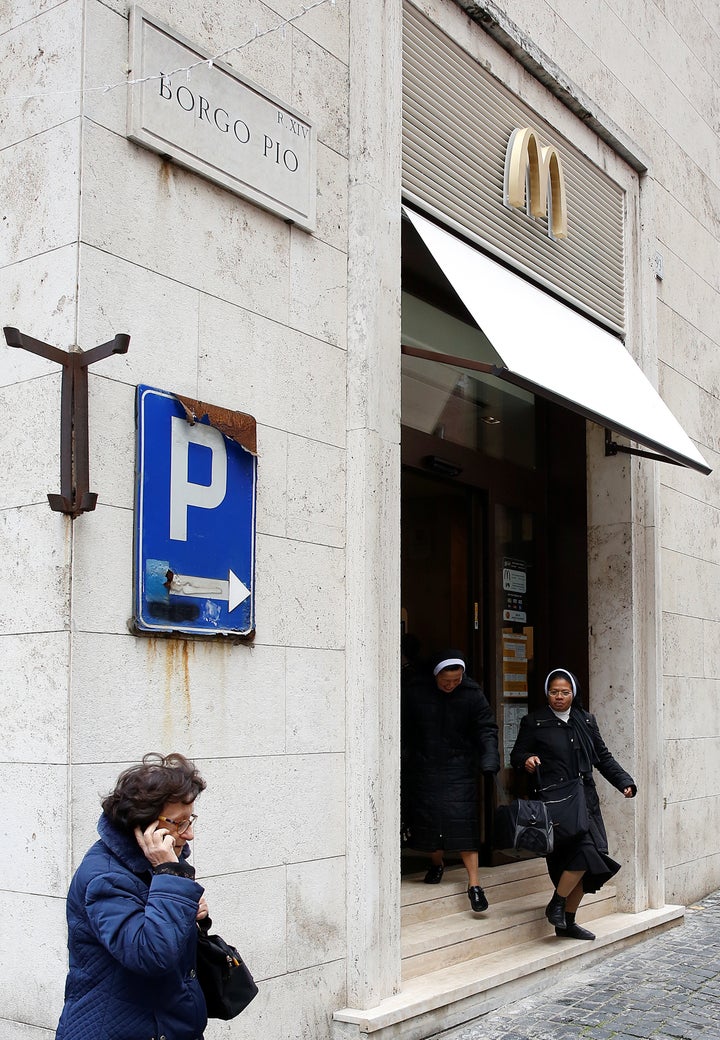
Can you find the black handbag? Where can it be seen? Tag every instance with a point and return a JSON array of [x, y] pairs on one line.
[[224, 977], [567, 806], [524, 825]]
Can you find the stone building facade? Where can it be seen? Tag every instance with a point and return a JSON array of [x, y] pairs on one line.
[[297, 732]]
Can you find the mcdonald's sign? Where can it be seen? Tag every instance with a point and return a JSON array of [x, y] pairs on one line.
[[528, 163]]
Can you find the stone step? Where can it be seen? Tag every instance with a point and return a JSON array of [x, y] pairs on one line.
[[413, 888], [440, 942], [447, 997], [421, 902]]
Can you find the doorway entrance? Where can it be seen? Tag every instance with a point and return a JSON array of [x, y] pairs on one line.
[[443, 537], [494, 518]]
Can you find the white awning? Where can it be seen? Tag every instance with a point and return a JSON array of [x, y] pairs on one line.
[[553, 351]]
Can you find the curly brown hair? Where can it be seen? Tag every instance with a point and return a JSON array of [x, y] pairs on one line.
[[141, 791]]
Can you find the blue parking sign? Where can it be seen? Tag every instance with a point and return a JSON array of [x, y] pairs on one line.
[[194, 523]]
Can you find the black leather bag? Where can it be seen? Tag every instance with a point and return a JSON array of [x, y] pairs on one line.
[[567, 807], [524, 825], [224, 977]]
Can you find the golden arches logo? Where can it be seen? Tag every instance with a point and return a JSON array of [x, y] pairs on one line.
[[526, 159]]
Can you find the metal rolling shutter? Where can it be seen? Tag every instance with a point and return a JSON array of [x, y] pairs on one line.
[[457, 120]]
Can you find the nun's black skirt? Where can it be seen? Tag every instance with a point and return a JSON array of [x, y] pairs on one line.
[[582, 854]]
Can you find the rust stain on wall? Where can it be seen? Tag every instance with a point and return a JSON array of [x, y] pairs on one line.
[[169, 661]]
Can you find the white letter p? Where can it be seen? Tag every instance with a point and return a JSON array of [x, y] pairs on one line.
[[183, 492]]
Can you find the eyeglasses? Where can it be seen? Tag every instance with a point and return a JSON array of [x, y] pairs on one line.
[[180, 825]]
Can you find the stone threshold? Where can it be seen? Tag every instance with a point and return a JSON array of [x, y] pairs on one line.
[[459, 993]]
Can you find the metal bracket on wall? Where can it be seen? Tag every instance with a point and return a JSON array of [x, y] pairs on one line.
[[75, 497], [613, 448]]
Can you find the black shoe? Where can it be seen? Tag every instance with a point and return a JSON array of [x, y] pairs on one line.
[[434, 874], [574, 931], [477, 899], [555, 911]]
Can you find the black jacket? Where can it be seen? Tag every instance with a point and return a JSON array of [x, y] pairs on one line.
[[566, 750], [448, 740]]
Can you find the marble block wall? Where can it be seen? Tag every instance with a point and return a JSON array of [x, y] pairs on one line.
[[229, 304]]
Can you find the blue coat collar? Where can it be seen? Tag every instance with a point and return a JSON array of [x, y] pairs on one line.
[[124, 846]]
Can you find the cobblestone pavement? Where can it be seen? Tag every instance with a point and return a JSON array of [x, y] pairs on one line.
[[666, 988]]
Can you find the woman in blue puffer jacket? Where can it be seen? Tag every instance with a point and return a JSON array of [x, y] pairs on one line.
[[132, 910]]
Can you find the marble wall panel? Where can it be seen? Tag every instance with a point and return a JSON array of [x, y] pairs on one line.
[[315, 700], [31, 417], [32, 997], [159, 314], [610, 491], [327, 25], [39, 297], [332, 198], [35, 548], [136, 694], [684, 398], [292, 810], [610, 565], [282, 377], [315, 492], [102, 571], [711, 649], [34, 697], [374, 331], [315, 912], [41, 176], [691, 827], [691, 707], [291, 1007], [183, 226], [687, 180], [105, 68], [249, 909], [18, 11], [39, 62], [691, 527], [625, 57], [272, 481], [89, 784], [664, 29], [248, 37], [690, 767], [682, 233], [320, 89], [687, 882], [684, 347], [23, 1031], [690, 586], [692, 297], [683, 648], [229, 23], [696, 485], [35, 816], [300, 594], [318, 296], [111, 421]]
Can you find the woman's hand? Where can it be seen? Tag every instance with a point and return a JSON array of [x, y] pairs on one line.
[[157, 844], [531, 763], [629, 792], [202, 909]]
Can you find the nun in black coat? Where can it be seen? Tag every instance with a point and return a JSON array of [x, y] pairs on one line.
[[564, 740], [449, 737]]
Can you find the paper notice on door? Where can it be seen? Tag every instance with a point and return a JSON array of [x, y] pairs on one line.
[[511, 725], [515, 665]]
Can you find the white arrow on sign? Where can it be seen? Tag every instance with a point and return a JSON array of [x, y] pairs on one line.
[[233, 590]]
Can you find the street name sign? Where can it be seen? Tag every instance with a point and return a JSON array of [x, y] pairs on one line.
[[200, 112], [194, 523]]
